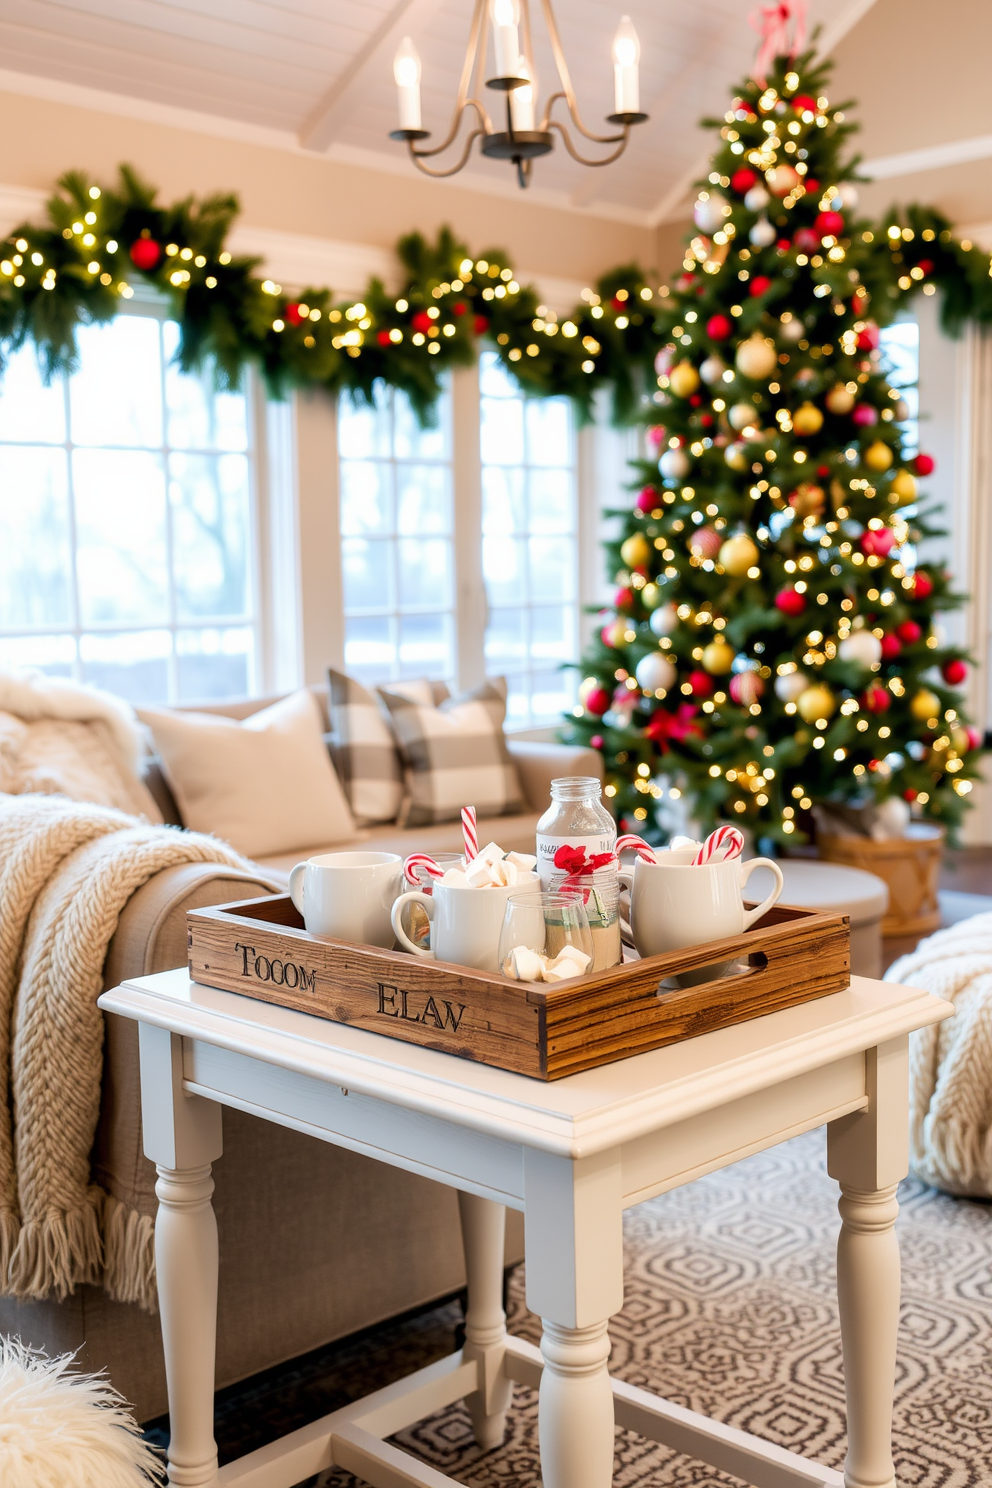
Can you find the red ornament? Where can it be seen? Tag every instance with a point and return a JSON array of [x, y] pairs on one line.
[[925, 265], [909, 794], [647, 499], [975, 738], [746, 688], [421, 321], [783, 245], [618, 304], [759, 285], [657, 434], [829, 224], [859, 301], [868, 338], [381, 336], [695, 401], [954, 672], [909, 632], [865, 415], [790, 602], [145, 254], [812, 185], [701, 684], [878, 540], [596, 742], [719, 327], [624, 599], [597, 701], [742, 180], [891, 647], [480, 325], [876, 699], [459, 307], [922, 584], [823, 471], [924, 464], [802, 103], [806, 240], [296, 317]]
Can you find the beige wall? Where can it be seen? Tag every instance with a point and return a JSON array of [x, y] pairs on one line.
[[306, 193]]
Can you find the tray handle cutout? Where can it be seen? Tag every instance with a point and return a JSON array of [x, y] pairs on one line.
[[713, 972]]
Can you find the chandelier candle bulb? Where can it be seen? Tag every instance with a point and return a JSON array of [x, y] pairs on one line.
[[626, 55], [522, 100], [505, 17], [406, 71]]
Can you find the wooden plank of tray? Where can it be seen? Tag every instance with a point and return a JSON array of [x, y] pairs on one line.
[[261, 949]]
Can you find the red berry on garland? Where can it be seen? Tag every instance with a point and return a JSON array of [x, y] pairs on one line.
[[924, 464], [619, 303], [742, 181], [695, 401], [829, 224], [891, 647], [925, 265], [790, 602], [647, 499], [719, 327], [459, 307], [868, 338], [954, 672], [806, 240], [421, 321], [783, 245], [145, 253], [823, 471], [909, 794], [759, 285], [597, 701], [922, 584], [382, 337], [701, 684], [706, 419], [596, 742], [480, 325], [296, 317], [812, 185], [876, 699], [802, 103], [909, 632]]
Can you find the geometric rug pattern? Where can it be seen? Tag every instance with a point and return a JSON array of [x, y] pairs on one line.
[[730, 1309]]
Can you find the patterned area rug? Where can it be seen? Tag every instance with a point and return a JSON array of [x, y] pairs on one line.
[[730, 1310]]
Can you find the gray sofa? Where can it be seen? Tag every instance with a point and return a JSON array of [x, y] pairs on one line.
[[315, 1242]]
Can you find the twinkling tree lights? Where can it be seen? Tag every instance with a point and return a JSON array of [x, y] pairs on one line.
[[773, 641]]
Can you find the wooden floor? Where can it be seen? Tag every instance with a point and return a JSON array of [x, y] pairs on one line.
[[967, 870]]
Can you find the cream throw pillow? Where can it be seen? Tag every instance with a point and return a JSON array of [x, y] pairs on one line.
[[265, 785]]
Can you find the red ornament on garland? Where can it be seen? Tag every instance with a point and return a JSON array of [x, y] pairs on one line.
[[924, 464], [759, 285], [909, 632], [719, 327], [868, 338], [954, 672], [597, 701], [829, 224], [742, 180], [806, 240], [480, 325], [647, 499], [891, 647], [145, 253], [701, 684], [459, 307], [382, 337], [922, 584], [790, 602], [624, 600], [878, 541], [802, 103], [421, 321], [295, 316], [812, 185], [909, 794], [876, 699], [865, 415], [925, 265]]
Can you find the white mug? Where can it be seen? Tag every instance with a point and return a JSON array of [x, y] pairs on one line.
[[673, 904], [348, 895], [465, 922]]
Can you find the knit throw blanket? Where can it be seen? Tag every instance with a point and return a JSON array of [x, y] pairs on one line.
[[951, 1062], [66, 872]]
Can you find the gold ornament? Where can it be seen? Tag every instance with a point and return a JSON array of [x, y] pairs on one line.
[[816, 703], [878, 456], [839, 400], [807, 419], [903, 485], [615, 634], [959, 739], [738, 554], [807, 500], [650, 596], [636, 551], [718, 658], [924, 704], [683, 379], [735, 457], [756, 357], [781, 179]]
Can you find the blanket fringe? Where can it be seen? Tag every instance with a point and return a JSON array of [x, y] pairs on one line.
[[55, 1254], [129, 1255]]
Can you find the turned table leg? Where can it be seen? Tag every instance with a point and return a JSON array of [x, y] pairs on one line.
[[483, 1231], [575, 1410], [868, 1154]]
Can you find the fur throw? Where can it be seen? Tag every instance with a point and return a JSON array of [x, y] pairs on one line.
[[950, 1080]]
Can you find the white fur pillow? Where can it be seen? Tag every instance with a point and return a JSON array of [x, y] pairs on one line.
[[265, 785]]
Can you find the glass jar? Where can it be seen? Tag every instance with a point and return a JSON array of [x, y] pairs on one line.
[[573, 833]]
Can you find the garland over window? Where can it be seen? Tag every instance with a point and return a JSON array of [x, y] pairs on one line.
[[100, 241]]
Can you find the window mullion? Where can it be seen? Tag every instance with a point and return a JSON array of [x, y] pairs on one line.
[[77, 626], [471, 609]]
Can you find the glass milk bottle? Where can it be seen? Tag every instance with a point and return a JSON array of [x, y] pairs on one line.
[[573, 833]]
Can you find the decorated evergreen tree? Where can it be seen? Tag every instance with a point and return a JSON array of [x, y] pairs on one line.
[[773, 642]]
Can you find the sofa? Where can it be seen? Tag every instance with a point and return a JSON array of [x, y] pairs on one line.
[[315, 1242]]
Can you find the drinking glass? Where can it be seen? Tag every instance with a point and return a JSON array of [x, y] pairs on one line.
[[546, 924]]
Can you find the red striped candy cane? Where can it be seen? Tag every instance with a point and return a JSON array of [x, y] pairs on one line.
[[424, 861], [643, 849], [470, 832], [725, 842]]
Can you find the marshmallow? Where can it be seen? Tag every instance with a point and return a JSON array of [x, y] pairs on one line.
[[480, 874], [454, 876], [572, 953], [524, 964], [491, 853], [523, 862]]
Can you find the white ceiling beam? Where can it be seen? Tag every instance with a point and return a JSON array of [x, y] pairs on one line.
[[325, 118], [930, 157]]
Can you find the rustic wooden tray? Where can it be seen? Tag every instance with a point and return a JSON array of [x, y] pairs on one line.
[[260, 948]]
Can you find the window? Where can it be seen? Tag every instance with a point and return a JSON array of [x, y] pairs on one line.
[[126, 520], [900, 345], [397, 537], [529, 544]]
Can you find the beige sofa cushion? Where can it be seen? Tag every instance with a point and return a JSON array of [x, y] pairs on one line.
[[266, 785]]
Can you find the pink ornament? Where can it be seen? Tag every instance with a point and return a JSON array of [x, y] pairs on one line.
[[865, 415], [705, 542], [596, 742], [746, 688], [876, 699], [891, 647], [663, 361], [805, 240], [701, 684], [719, 327], [975, 739], [657, 434], [647, 499], [878, 541]]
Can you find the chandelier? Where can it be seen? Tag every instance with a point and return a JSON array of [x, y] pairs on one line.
[[526, 135]]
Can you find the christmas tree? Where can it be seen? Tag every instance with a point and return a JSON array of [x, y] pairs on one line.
[[773, 643]]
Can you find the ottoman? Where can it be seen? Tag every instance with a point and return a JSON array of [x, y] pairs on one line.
[[834, 889]]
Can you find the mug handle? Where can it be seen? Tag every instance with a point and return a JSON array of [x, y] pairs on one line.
[[296, 883], [396, 920], [750, 915], [626, 877]]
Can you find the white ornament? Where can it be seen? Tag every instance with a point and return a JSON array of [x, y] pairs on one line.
[[788, 688], [663, 620], [655, 672], [674, 464], [756, 199], [757, 357], [792, 330], [848, 193], [708, 212], [712, 369], [862, 647], [762, 234], [742, 414]]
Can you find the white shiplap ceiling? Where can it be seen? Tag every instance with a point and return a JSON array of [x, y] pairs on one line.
[[317, 74]]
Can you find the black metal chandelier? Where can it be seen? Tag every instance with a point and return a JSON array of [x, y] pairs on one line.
[[526, 135]]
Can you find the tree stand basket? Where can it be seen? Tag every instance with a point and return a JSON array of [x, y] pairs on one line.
[[909, 865]]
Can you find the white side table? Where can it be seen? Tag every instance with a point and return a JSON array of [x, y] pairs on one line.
[[571, 1155]]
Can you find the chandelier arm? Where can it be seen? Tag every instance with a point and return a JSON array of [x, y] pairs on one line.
[[485, 127], [607, 160], [597, 139], [568, 92], [462, 99], [415, 156]]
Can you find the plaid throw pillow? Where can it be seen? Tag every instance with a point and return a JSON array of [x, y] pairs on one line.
[[364, 752], [455, 755]]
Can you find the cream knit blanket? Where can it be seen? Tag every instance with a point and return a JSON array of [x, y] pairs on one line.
[[66, 872], [950, 1077]]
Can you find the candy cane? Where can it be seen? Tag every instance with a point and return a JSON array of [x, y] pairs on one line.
[[470, 833], [724, 843], [424, 861], [643, 849]]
